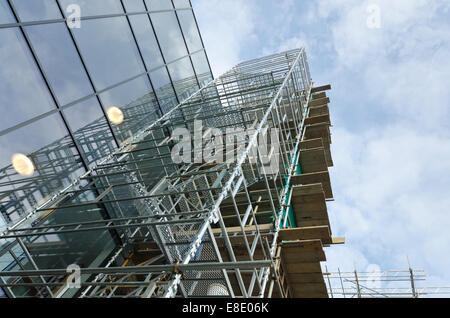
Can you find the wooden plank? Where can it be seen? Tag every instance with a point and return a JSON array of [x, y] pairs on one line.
[[309, 189], [307, 233], [318, 143], [302, 251], [322, 177], [318, 111], [310, 295], [312, 222], [251, 228], [310, 288], [236, 236], [301, 264], [312, 120], [305, 245], [319, 95], [338, 240], [305, 257], [306, 278], [313, 160], [241, 254], [319, 89], [321, 130], [309, 205], [319, 102], [311, 144], [296, 268], [328, 157]]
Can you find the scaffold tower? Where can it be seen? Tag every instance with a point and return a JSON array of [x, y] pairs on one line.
[[253, 225]]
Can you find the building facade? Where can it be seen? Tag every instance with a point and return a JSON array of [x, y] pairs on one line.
[[64, 64], [93, 201]]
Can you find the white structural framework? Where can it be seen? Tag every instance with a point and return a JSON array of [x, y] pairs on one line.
[[189, 229]]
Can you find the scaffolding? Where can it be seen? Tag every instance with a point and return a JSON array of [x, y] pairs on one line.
[[232, 228], [381, 284]]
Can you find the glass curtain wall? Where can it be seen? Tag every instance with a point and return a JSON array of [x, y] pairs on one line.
[[58, 85]]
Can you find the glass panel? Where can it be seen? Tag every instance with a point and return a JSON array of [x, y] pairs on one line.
[[37, 10], [183, 78], [163, 89], [56, 162], [169, 35], [90, 130], [134, 5], [97, 7], [23, 93], [60, 60], [190, 31], [201, 68], [5, 13], [181, 3], [85, 248], [109, 50], [147, 41], [138, 104], [154, 5]]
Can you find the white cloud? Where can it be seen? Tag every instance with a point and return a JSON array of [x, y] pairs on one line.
[[225, 26], [391, 192]]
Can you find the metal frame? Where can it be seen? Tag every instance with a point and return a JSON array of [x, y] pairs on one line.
[[188, 210], [96, 94], [391, 284]]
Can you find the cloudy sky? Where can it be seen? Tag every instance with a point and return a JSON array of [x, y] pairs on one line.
[[390, 114]]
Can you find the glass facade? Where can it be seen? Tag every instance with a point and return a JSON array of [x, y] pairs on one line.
[[57, 84]]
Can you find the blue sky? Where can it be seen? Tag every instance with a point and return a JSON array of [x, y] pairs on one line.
[[390, 113]]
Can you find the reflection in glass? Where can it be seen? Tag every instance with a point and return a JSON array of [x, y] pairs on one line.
[[37, 10], [154, 5], [56, 161], [23, 93], [169, 35], [163, 89], [190, 31], [138, 104], [109, 50], [146, 40], [115, 115], [97, 7], [85, 249], [5, 13], [201, 67], [183, 78], [60, 61], [90, 130], [22, 164], [181, 3], [57, 156], [134, 5]]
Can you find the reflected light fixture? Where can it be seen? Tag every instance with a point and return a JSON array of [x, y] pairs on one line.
[[115, 115], [22, 164]]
